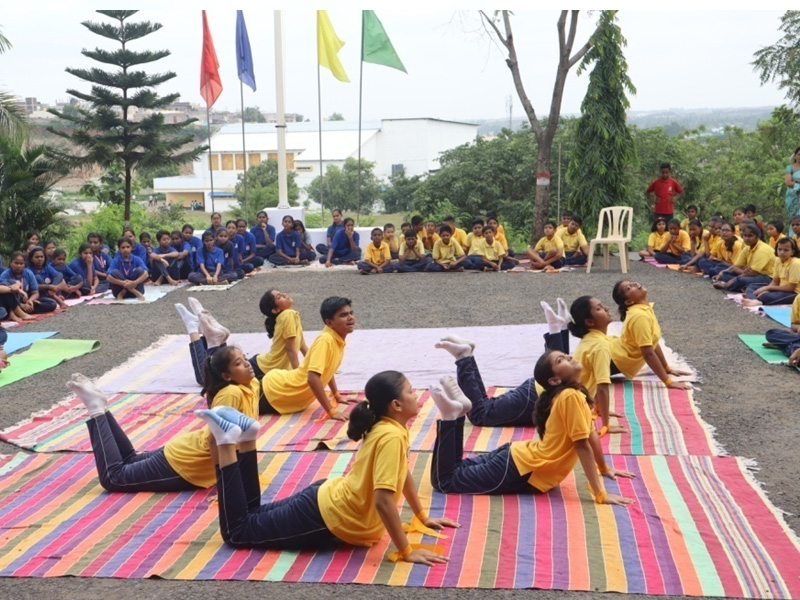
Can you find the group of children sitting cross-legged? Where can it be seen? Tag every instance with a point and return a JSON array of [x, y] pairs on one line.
[[359, 507]]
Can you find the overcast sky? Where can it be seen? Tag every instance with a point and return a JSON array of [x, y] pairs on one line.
[[677, 59]]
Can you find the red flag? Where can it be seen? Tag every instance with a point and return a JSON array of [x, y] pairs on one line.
[[210, 83]]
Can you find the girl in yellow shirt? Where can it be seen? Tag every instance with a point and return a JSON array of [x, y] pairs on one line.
[[754, 264], [724, 253], [785, 278], [657, 239], [566, 435], [355, 509], [285, 330], [184, 463], [639, 341], [676, 247]]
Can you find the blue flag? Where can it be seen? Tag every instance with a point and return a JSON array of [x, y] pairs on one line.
[[244, 58]]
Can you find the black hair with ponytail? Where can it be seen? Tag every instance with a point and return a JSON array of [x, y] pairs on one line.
[[215, 365], [618, 294], [266, 305], [380, 390], [580, 310], [542, 373]]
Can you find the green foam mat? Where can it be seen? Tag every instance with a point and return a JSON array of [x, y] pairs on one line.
[[42, 355]]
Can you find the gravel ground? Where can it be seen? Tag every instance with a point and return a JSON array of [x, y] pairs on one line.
[[752, 405]]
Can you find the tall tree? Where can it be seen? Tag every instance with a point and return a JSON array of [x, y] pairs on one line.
[[120, 120], [12, 118], [262, 188], [252, 114], [781, 61], [341, 186], [544, 133], [604, 144]]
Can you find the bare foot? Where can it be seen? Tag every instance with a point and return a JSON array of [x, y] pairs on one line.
[[750, 302]]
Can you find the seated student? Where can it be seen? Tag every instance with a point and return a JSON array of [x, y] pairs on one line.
[[549, 250], [566, 435], [500, 236], [724, 253], [127, 273], [404, 226], [73, 282], [231, 270], [795, 225], [699, 241], [164, 260], [391, 240], [290, 391], [33, 237], [412, 257], [755, 264], [334, 228], [474, 236], [657, 239], [49, 247], [639, 342], [738, 216], [83, 265], [774, 233], [102, 259], [184, 463], [237, 247], [691, 214], [576, 248], [138, 249], [676, 247], [195, 243], [210, 261], [788, 340], [19, 291], [498, 228], [306, 239], [785, 279], [750, 213], [50, 282], [459, 234], [183, 258], [216, 223], [489, 254], [418, 225], [378, 257], [566, 219], [264, 234], [448, 255], [248, 246], [344, 248], [356, 509], [289, 246], [429, 236]]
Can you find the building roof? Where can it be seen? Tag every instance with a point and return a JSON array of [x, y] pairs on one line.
[[336, 145]]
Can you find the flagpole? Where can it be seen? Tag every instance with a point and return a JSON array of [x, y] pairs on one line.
[[280, 126], [210, 163], [244, 155], [360, 90], [319, 116]]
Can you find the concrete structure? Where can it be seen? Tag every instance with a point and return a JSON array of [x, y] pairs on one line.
[[392, 144]]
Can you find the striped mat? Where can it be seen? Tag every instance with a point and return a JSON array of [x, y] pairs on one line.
[[699, 527], [661, 422]]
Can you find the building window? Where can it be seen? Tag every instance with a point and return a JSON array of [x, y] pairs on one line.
[[227, 162], [213, 162], [255, 160], [305, 169], [397, 169], [239, 162]]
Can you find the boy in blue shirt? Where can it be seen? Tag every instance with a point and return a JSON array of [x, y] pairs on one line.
[[264, 234], [195, 243], [289, 246], [230, 265], [184, 254], [83, 266], [127, 273], [344, 248], [163, 260], [72, 280]]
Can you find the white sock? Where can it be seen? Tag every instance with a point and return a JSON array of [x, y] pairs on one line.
[[189, 319], [455, 393], [215, 335], [224, 432], [250, 427], [449, 410], [195, 305], [457, 350], [198, 310], [554, 323], [563, 312], [92, 397], [459, 340]]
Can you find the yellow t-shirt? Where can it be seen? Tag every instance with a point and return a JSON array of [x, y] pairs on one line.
[[787, 272], [189, 454], [657, 240], [721, 251], [774, 241], [428, 242], [698, 242], [641, 328], [681, 245], [419, 247], [394, 245], [560, 228], [447, 253], [551, 459], [472, 239], [760, 258], [287, 325], [572, 241], [288, 391], [685, 224], [347, 504], [500, 237], [461, 237], [795, 316], [493, 252], [712, 242], [378, 256], [594, 353], [545, 245]]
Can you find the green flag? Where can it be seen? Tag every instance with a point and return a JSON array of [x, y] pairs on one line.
[[376, 47]]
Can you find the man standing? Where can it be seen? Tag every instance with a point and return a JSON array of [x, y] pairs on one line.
[[664, 192]]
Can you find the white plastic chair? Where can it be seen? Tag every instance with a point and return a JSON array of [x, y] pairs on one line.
[[613, 227]]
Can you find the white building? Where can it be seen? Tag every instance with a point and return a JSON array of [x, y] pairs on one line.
[[392, 144]]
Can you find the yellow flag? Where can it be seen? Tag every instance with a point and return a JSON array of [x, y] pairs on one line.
[[328, 46]]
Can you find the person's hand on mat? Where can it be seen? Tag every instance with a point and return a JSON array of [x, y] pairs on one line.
[[680, 385], [440, 523], [617, 429], [611, 413], [794, 359], [338, 416], [681, 372], [618, 500], [425, 557], [614, 473]]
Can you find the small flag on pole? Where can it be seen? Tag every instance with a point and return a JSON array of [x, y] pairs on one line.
[[328, 46], [210, 83], [244, 57], [376, 46]]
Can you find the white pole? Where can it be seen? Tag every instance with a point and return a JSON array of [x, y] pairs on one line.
[[283, 191]]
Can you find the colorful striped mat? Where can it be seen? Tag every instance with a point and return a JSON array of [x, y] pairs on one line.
[[661, 421], [699, 527]]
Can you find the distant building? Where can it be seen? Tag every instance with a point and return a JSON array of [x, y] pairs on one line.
[[413, 145]]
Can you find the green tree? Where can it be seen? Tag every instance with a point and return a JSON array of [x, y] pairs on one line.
[[146, 176], [780, 62], [106, 132], [13, 122], [336, 117], [341, 186], [604, 144], [399, 195], [27, 175], [262, 188], [252, 114], [111, 187]]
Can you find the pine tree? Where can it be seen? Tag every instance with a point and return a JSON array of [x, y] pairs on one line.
[[604, 146], [103, 129]]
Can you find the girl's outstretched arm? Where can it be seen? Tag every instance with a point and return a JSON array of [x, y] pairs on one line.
[[410, 494], [586, 455], [387, 510]]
